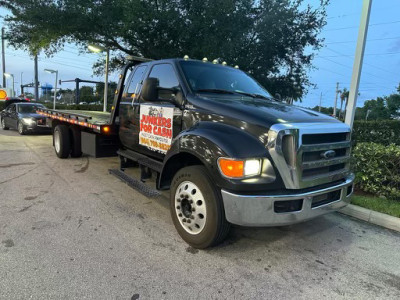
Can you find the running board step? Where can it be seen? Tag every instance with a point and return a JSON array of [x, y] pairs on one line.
[[135, 184], [142, 159]]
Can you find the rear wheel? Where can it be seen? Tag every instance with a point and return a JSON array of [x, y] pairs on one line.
[[76, 149], [21, 128], [62, 141], [3, 124], [196, 208]]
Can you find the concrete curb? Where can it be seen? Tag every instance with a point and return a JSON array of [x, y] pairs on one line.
[[371, 216]]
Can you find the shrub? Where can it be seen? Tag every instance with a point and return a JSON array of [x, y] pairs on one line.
[[377, 169], [383, 132]]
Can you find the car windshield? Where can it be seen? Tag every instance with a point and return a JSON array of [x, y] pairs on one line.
[[213, 78], [26, 109]]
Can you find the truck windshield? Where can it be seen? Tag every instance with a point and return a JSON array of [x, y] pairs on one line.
[[213, 78]]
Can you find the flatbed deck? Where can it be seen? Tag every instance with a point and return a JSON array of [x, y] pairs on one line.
[[96, 117], [95, 120]]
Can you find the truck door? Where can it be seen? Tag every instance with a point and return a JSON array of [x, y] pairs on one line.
[[159, 121], [129, 108]]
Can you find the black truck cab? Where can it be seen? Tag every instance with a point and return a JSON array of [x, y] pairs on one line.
[[227, 150]]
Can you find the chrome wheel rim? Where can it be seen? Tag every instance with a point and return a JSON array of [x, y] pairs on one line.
[[20, 128], [190, 207], [57, 141]]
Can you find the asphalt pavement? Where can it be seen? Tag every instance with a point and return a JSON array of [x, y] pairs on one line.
[[69, 230]]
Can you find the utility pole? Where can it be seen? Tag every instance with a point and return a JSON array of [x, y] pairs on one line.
[[320, 102], [21, 91], [358, 61], [106, 80], [337, 93], [36, 81], [3, 55]]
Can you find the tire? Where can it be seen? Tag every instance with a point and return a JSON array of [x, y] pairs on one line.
[[3, 124], [62, 141], [21, 128], [76, 150], [197, 209]]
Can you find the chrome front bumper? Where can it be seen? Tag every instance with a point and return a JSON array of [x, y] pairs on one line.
[[261, 210]]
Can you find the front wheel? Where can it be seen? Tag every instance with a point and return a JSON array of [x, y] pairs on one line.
[[3, 124], [196, 208], [21, 128]]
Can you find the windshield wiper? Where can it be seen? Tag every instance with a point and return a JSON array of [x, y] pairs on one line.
[[233, 93], [216, 91], [253, 95]]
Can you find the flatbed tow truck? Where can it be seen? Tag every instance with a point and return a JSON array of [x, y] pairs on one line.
[[225, 148]]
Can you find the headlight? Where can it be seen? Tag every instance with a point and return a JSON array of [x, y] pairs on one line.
[[28, 121], [235, 168]]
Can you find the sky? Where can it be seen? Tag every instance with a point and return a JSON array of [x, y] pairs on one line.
[[333, 63]]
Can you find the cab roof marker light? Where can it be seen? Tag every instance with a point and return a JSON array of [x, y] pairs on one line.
[[224, 63], [205, 59], [186, 57], [215, 61], [236, 67]]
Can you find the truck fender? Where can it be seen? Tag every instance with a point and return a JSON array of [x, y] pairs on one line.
[[203, 144]]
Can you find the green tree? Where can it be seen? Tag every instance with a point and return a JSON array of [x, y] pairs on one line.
[[99, 90], [393, 105], [270, 39], [86, 94]]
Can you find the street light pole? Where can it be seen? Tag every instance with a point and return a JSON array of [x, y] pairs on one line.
[[55, 91], [21, 83], [12, 76], [97, 49], [3, 57], [55, 85], [106, 81]]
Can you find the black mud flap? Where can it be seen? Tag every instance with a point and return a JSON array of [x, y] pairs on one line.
[[135, 184]]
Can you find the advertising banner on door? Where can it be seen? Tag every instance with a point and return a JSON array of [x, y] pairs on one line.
[[156, 127]]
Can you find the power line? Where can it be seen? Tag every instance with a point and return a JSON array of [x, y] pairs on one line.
[[369, 54], [368, 40], [50, 61], [357, 13], [351, 27], [348, 67]]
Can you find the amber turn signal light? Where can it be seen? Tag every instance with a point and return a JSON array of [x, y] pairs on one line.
[[231, 168]]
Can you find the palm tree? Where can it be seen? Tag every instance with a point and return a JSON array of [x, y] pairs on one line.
[[344, 97]]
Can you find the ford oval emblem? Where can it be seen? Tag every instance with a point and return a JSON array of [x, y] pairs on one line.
[[328, 154]]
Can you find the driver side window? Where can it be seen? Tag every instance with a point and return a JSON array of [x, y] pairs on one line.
[[167, 78], [134, 85]]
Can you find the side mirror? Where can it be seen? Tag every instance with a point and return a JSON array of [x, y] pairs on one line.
[[150, 89]]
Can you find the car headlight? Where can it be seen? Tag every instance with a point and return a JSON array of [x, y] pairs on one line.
[[237, 168], [28, 121]]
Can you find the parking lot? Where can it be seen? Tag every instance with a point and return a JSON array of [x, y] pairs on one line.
[[69, 230]]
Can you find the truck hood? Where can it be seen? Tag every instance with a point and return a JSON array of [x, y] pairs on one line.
[[257, 111]]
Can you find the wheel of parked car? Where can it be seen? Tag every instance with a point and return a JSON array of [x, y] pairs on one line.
[[21, 128], [3, 124], [62, 141], [76, 150], [197, 209]]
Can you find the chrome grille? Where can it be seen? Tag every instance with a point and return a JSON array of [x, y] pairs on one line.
[[309, 154]]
